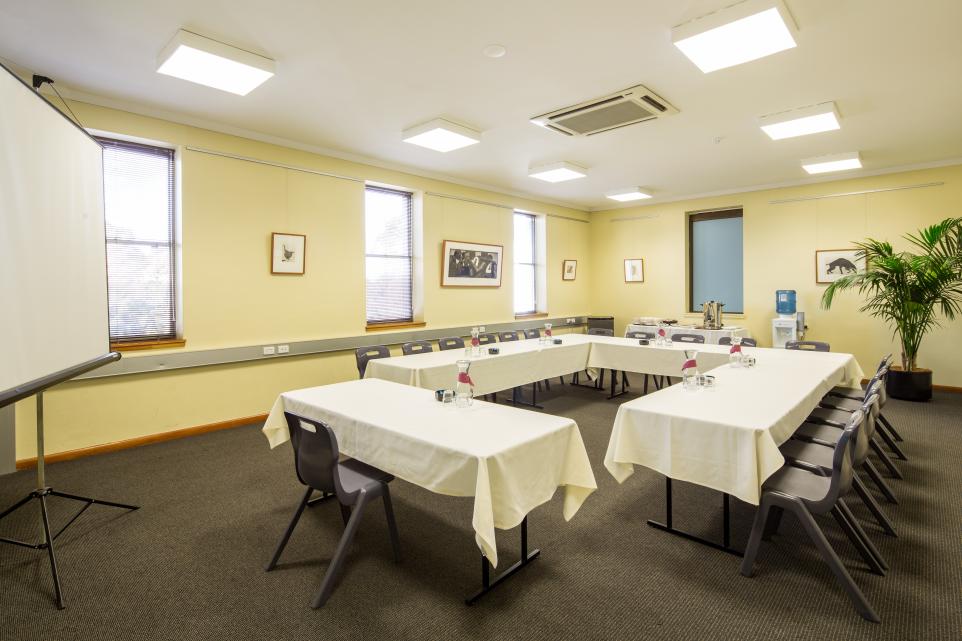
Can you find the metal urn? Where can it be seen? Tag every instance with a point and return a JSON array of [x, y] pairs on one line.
[[711, 312]]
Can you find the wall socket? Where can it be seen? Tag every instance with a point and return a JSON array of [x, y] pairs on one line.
[[268, 350], [481, 329], [570, 321], [283, 349]]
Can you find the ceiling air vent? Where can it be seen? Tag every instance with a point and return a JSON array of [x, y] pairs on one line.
[[627, 107]]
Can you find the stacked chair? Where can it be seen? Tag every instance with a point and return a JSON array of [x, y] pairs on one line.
[[824, 460], [747, 342], [416, 347]]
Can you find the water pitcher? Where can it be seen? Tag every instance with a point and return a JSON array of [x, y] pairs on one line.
[[689, 370], [464, 388]]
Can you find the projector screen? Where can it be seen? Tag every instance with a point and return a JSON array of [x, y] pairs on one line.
[[53, 263]]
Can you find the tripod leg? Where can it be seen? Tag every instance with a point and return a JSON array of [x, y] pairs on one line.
[[86, 499], [48, 542]]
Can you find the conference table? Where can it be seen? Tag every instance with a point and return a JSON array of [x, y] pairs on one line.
[[726, 437], [711, 335], [510, 460]]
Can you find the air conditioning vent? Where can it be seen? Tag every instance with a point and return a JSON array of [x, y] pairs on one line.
[[637, 104]]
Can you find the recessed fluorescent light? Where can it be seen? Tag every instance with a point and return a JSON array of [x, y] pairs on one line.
[[627, 195], [558, 172], [745, 31], [836, 162], [801, 122], [441, 135], [215, 64]]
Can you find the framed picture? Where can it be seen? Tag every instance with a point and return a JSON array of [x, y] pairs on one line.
[[634, 270], [287, 253], [832, 264], [569, 269], [470, 264]]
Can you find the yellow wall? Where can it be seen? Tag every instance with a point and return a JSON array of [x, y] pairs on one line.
[[779, 253], [229, 209]]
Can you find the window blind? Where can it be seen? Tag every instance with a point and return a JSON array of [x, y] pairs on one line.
[[525, 259], [141, 269], [715, 259], [388, 262]]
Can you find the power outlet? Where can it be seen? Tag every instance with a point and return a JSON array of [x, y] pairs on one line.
[[268, 350], [481, 329], [570, 321], [283, 349]]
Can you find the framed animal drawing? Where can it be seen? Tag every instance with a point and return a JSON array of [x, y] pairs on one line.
[[288, 253], [832, 264], [569, 269]]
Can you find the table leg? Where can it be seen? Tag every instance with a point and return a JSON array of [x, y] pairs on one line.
[[487, 584], [614, 381], [667, 526]]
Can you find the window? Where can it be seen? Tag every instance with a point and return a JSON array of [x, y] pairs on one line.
[[525, 264], [141, 247], [389, 255], [715, 259]]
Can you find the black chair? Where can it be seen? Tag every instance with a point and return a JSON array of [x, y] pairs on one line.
[[486, 339], [885, 429], [747, 342], [806, 494], [600, 331], [352, 483], [363, 355], [454, 342], [534, 332], [416, 347], [509, 335], [687, 338], [811, 346]]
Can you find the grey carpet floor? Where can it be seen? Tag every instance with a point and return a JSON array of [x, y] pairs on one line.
[[189, 564]]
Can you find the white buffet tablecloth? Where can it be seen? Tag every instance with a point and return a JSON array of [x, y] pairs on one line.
[[711, 335], [627, 355], [727, 438], [510, 460]]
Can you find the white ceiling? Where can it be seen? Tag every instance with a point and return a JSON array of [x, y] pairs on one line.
[[352, 75]]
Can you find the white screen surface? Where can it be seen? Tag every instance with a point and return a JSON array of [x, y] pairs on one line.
[[53, 269]]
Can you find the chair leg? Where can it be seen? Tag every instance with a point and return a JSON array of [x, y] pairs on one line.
[[624, 381], [774, 521], [547, 384], [835, 564], [883, 487], [340, 554], [873, 506], [755, 538], [885, 423], [646, 386], [886, 460], [890, 442], [391, 523], [862, 534], [562, 379], [289, 530], [345, 513], [857, 542]]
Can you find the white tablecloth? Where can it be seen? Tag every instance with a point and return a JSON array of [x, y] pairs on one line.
[[519, 363], [711, 335], [627, 355], [510, 460], [727, 438]]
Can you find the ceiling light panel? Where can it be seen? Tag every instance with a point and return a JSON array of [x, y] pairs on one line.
[[558, 172], [746, 31], [836, 162], [627, 195], [197, 59], [441, 135], [801, 122]]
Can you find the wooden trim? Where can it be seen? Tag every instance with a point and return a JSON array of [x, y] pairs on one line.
[[535, 315], [948, 388], [163, 343], [127, 444], [376, 327]]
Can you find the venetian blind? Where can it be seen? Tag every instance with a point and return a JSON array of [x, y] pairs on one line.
[[388, 262], [141, 251], [525, 273]]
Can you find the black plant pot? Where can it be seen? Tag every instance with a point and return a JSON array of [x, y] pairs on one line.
[[909, 386]]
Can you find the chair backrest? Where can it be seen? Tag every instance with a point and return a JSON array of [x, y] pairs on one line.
[[842, 464], [510, 335], [870, 408], [416, 347], [534, 332], [600, 331], [363, 355], [486, 339], [811, 346], [452, 342], [315, 453], [747, 342], [687, 338], [638, 334]]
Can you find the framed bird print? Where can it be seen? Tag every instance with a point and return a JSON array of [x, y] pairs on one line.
[[287, 253], [569, 269]]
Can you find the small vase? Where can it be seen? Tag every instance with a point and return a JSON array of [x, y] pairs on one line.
[[464, 388]]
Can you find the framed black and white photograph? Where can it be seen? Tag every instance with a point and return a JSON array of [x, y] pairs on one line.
[[569, 269], [287, 253], [832, 264], [470, 264], [634, 270]]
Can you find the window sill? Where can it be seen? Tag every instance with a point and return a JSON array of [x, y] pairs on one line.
[[376, 327], [535, 315], [132, 346]]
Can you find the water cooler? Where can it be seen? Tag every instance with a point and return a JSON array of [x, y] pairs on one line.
[[790, 323]]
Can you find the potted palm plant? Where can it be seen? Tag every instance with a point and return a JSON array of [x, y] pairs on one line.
[[909, 290]]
